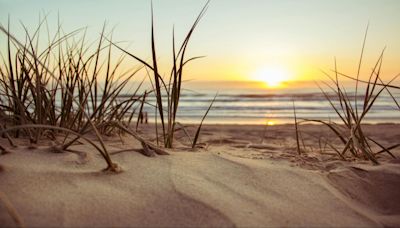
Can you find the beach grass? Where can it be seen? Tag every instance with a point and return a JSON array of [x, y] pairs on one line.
[[69, 88], [58, 89], [173, 87], [347, 108]]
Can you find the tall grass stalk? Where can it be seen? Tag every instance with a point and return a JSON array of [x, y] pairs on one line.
[[351, 132], [196, 136], [296, 129], [173, 87]]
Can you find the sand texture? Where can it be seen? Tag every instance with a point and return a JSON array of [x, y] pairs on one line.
[[245, 176]]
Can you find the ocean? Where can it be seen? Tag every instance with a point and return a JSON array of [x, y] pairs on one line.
[[250, 103]]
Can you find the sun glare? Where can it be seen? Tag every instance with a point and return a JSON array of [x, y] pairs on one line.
[[272, 76], [270, 123]]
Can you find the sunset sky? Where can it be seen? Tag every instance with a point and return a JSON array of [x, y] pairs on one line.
[[243, 40]]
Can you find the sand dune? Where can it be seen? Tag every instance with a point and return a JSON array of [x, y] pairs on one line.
[[217, 187], [373, 190]]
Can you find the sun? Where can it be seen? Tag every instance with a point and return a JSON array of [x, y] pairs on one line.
[[270, 123], [272, 76]]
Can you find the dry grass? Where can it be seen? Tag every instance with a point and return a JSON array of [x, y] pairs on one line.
[[11, 210], [58, 88], [351, 111], [169, 92], [69, 88]]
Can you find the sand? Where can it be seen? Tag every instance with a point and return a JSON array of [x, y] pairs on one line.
[[238, 178]]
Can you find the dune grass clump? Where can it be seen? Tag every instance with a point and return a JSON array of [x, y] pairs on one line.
[[63, 88], [351, 111], [58, 89], [70, 88], [168, 90]]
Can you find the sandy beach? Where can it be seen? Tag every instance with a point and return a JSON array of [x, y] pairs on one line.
[[246, 176]]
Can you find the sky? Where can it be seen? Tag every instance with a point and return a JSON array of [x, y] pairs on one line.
[[241, 39]]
